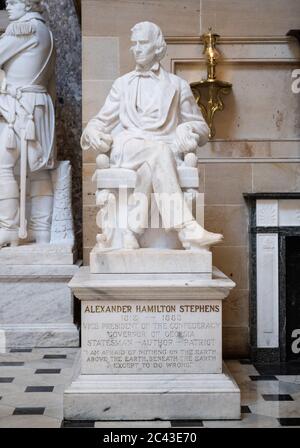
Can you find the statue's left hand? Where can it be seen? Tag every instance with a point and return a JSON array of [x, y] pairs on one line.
[[187, 139]]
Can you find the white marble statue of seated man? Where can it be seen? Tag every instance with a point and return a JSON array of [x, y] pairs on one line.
[[149, 117]]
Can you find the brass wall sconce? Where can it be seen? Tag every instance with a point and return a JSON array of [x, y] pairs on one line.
[[208, 91]]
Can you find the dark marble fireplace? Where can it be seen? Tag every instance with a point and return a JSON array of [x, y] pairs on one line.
[[292, 298], [274, 232]]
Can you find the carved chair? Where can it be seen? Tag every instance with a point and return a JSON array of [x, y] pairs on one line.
[[112, 182]]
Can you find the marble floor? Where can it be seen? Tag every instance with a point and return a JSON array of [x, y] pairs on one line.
[[32, 384]]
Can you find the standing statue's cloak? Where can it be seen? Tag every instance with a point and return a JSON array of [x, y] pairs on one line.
[[27, 59]]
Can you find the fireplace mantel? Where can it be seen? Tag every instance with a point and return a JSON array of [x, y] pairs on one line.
[[287, 195], [273, 217]]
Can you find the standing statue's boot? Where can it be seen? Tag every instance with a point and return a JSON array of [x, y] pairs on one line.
[[39, 230], [193, 236], [39, 236], [9, 213], [41, 192], [9, 238]]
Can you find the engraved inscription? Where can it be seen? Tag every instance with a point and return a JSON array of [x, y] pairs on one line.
[[123, 338]]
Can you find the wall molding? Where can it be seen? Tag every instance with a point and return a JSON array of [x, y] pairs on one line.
[[235, 50], [271, 40], [263, 52], [247, 160]]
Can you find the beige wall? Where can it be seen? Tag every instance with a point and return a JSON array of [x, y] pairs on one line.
[[257, 143]]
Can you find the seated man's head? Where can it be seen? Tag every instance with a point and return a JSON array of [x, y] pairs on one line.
[[18, 8], [148, 44]]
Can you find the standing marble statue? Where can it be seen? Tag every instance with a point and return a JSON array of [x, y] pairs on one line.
[[35, 191], [27, 124], [149, 121]]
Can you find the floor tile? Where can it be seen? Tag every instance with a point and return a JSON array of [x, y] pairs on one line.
[[65, 365], [10, 388], [248, 398], [55, 411], [27, 358], [59, 382], [244, 371], [252, 392], [133, 424], [276, 387], [245, 410], [6, 411], [39, 389], [241, 369], [295, 396], [16, 372], [263, 393], [40, 380], [277, 397], [6, 380], [56, 351], [29, 411], [276, 409], [29, 421], [186, 423], [41, 399], [289, 421], [247, 421], [263, 378], [11, 364], [21, 350], [78, 424], [289, 368], [60, 388], [294, 379]]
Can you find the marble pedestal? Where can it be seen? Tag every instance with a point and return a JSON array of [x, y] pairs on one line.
[[151, 348], [36, 303], [151, 261]]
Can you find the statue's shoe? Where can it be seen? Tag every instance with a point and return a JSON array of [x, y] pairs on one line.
[[129, 241], [39, 236], [9, 237], [193, 236]]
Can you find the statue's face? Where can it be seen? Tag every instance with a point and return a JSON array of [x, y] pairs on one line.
[[143, 47], [16, 9]]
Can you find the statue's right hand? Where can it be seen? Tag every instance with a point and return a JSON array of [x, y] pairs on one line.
[[96, 140]]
